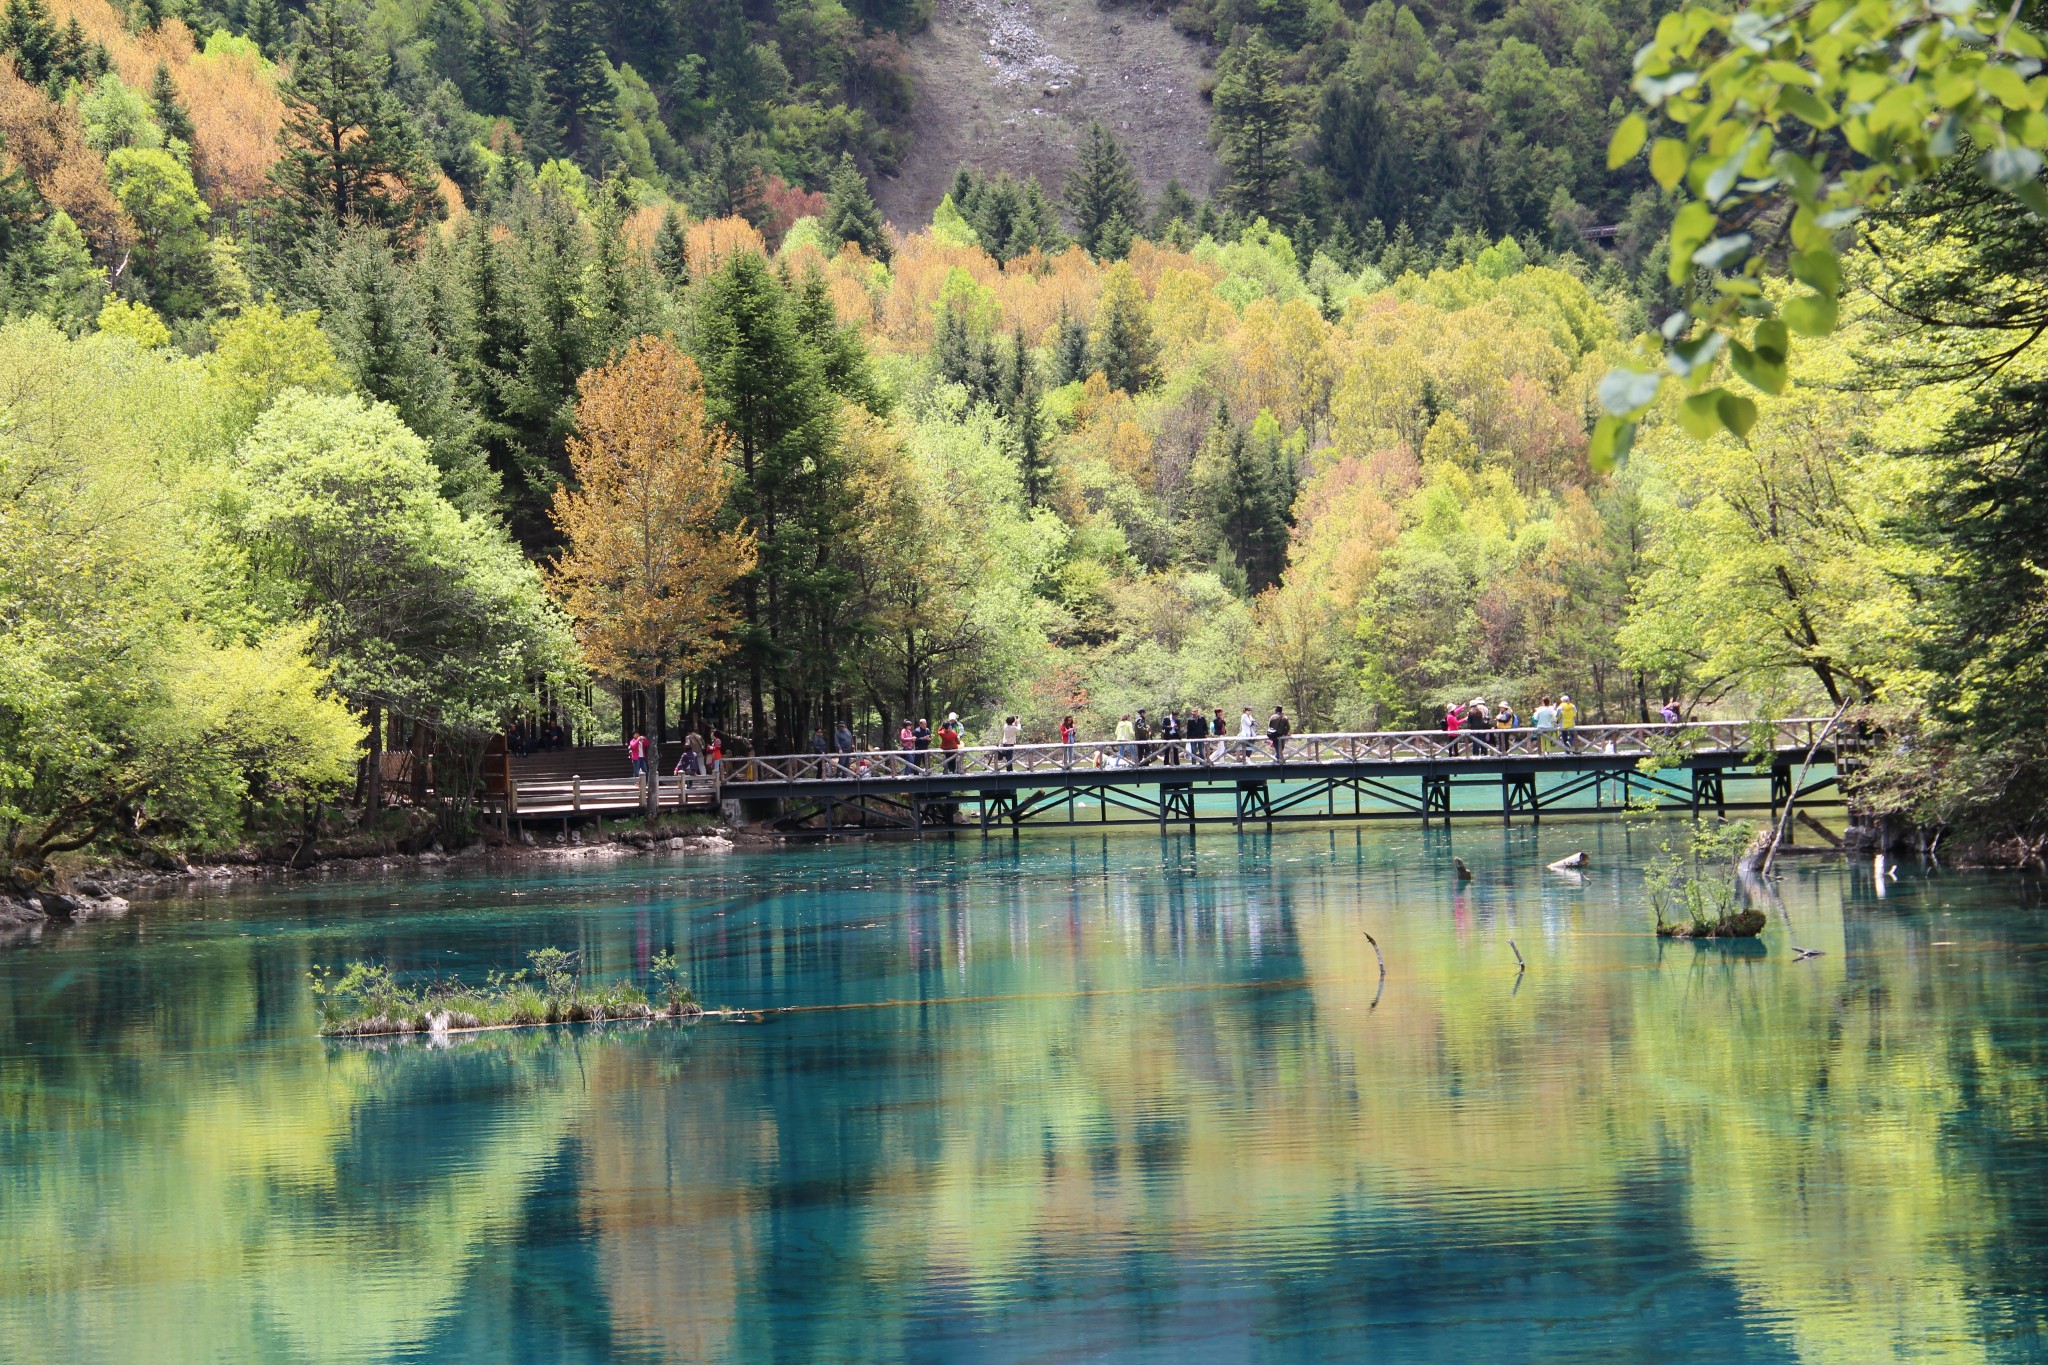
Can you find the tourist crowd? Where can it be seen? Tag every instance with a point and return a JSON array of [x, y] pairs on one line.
[[1189, 735]]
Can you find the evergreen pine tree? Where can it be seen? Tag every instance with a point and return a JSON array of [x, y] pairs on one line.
[[555, 334], [578, 83], [963, 356], [1113, 243], [78, 58], [264, 26], [1356, 148], [348, 154], [672, 249], [1402, 254], [850, 212], [1040, 218], [764, 383], [1124, 350], [31, 38], [1244, 500], [1022, 401], [1070, 350], [170, 112], [730, 184], [490, 65], [1254, 123], [375, 311], [842, 354], [149, 15], [1175, 205], [1100, 187], [613, 291], [487, 362], [538, 129]]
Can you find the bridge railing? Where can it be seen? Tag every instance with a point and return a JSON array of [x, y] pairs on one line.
[[1233, 753]]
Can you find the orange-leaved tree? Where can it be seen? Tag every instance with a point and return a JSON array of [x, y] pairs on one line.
[[647, 572]]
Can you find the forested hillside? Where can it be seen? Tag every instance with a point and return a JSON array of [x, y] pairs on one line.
[[313, 405]]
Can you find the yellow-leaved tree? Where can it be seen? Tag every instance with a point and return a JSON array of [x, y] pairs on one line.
[[647, 572]]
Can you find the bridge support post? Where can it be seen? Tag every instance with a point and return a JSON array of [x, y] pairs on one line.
[[998, 806], [1436, 798], [1177, 802], [1706, 788], [1253, 802], [1518, 792], [1781, 789]]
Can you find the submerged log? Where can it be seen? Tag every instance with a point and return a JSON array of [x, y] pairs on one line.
[[1570, 864], [1464, 872], [1818, 828]]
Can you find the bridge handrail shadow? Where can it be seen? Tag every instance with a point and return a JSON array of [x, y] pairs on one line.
[[1477, 747]]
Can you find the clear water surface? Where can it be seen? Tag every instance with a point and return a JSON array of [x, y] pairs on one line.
[[1082, 1097]]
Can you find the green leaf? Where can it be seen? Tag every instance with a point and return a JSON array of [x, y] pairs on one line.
[[2007, 167], [1692, 226], [1755, 369], [1625, 391], [1807, 233], [1807, 107], [2006, 86], [1810, 315], [1612, 437], [1722, 249], [1628, 139], [1773, 347], [1820, 270], [1738, 414], [1667, 161], [2034, 195], [1688, 356], [1700, 414]]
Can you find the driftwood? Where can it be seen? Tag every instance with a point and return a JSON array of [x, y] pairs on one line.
[[1464, 872], [1570, 864]]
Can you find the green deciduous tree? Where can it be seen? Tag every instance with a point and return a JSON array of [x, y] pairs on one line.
[[1788, 122], [141, 696], [423, 614], [173, 255]]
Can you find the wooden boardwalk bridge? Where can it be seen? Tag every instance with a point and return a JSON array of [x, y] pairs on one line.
[[1416, 775]]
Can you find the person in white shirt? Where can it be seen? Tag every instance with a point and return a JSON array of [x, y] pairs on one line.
[[1009, 745], [1247, 735]]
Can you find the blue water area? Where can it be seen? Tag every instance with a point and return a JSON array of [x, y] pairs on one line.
[[1071, 1098]]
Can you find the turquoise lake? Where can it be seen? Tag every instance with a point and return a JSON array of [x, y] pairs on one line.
[[1071, 1098]]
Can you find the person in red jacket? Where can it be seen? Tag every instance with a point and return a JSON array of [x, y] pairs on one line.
[[949, 741]]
